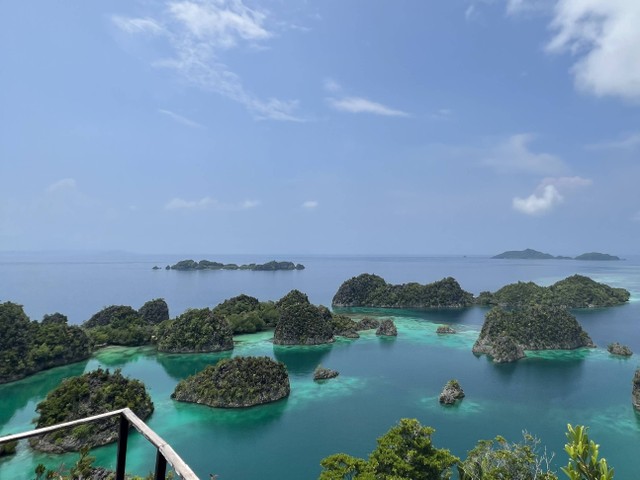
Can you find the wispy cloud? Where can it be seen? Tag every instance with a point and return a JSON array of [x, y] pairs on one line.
[[180, 119], [363, 105], [198, 32], [208, 203], [310, 204], [605, 38], [61, 185], [514, 154], [548, 195], [628, 142], [520, 7]]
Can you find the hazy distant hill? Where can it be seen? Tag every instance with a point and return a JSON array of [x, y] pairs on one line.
[[530, 254]]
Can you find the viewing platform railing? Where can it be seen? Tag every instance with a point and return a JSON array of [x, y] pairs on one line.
[[165, 454]]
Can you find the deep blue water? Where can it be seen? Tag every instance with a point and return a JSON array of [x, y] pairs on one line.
[[380, 381]]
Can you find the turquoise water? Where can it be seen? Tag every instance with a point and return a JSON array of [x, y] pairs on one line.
[[381, 380]]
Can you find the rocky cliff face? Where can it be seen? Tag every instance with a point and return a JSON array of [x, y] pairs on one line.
[[635, 390], [451, 392], [387, 328], [235, 383], [507, 333]]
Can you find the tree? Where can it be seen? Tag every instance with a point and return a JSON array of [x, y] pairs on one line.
[[500, 460], [405, 452], [583, 457]]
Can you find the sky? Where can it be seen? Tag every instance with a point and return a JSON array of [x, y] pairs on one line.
[[320, 126]]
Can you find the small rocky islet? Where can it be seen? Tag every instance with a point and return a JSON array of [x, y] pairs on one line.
[[237, 382]]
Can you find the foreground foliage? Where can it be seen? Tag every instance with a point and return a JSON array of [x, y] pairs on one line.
[[405, 452], [27, 347]]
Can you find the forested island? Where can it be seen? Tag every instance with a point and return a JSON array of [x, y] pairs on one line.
[[576, 291], [198, 330], [302, 323], [27, 347], [235, 383], [209, 265], [122, 325], [506, 334], [367, 290], [90, 394], [530, 254]]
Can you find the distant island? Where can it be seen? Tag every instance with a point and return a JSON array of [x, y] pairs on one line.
[[530, 254], [209, 265]]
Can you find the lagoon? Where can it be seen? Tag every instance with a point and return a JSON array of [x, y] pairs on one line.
[[381, 380]]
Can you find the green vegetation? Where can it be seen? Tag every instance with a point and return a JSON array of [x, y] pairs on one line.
[[576, 291], [27, 347], [368, 290], [195, 331], [246, 314], [405, 452], [583, 457], [236, 382], [93, 393], [534, 327], [209, 265], [122, 325], [8, 448], [154, 311], [302, 323]]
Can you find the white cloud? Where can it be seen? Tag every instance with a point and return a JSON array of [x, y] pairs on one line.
[[330, 85], [363, 105], [198, 32], [629, 142], [137, 25], [61, 185], [604, 35], [310, 204], [208, 203], [514, 155], [181, 204], [180, 119], [537, 204], [548, 194]]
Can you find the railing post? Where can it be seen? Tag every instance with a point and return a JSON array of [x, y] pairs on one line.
[[123, 436], [161, 466]]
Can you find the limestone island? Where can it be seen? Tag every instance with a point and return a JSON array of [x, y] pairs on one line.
[[236, 383], [123, 325], [530, 254], [506, 334], [445, 330], [197, 330], [387, 329], [367, 290], [322, 373], [28, 347], [302, 323], [247, 314], [576, 291], [451, 392], [618, 349], [209, 265], [90, 394], [635, 390]]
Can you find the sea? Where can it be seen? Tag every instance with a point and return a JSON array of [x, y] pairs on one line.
[[381, 379]]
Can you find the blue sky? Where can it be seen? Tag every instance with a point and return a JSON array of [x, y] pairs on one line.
[[327, 126]]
